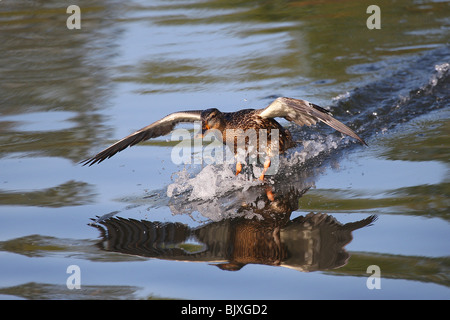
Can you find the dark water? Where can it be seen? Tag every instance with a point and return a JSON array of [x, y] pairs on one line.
[[141, 226]]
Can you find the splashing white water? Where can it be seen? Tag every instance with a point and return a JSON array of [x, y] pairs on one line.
[[214, 181], [312, 149], [211, 182], [441, 69]]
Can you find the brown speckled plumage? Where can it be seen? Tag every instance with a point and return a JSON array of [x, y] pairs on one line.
[[240, 122]]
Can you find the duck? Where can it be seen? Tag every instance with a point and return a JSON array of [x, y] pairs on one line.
[[239, 123]]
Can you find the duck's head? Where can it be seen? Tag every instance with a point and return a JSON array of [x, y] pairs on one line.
[[212, 119]]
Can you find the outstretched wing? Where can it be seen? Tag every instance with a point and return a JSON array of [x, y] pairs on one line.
[[156, 129], [303, 112]]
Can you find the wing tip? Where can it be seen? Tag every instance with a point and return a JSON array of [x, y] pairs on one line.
[[364, 143], [353, 135], [361, 140], [90, 161], [95, 159]]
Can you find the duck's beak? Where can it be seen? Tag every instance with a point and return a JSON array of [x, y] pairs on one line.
[[204, 130]]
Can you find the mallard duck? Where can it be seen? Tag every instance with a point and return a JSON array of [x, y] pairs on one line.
[[298, 111]]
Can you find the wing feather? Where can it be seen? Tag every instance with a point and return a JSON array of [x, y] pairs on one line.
[[303, 112], [156, 129]]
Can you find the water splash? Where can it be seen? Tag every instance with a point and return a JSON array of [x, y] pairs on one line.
[[212, 181], [216, 181]]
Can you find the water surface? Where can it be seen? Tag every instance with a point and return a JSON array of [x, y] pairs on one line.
[[140, 226]]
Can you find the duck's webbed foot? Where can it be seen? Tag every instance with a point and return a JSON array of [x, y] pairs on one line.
[[266, 167], [238, 167]]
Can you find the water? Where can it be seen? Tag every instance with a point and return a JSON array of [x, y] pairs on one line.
[[140, 226]]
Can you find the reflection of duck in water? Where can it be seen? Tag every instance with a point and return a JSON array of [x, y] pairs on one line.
[[300, 112], [306, 243]]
